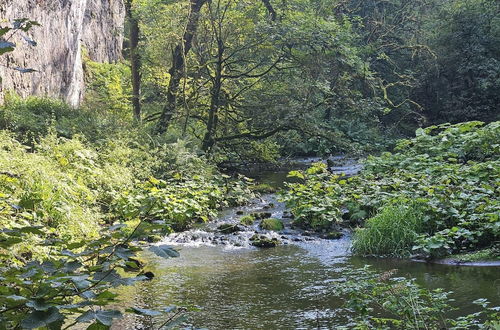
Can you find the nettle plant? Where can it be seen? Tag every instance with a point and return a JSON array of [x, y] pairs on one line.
[[70, 282]]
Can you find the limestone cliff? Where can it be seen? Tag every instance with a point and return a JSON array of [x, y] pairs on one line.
[[68, 28]]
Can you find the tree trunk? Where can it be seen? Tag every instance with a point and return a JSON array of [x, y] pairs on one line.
[[177, 68], [209, 139], [135, 60]]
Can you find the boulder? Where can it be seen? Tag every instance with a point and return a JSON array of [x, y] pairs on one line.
[[228, 228], [264, 242]]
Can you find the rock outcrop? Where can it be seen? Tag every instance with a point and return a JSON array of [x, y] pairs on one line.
[[68, 29]]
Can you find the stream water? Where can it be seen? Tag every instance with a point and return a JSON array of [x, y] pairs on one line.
[[226, 283]]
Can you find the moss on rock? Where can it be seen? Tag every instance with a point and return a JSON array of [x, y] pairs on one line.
[[272, 224], [228, 228], [247, 220], [263, 241]]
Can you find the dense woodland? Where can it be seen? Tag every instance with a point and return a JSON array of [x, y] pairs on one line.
[[207, 87]]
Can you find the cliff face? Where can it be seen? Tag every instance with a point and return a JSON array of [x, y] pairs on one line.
[[68, 28]]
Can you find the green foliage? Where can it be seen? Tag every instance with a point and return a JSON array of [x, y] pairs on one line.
[[108, 88], [59, 186], [263, 188], [303, 77], [452, 171], [70, 285], [392, 232], [181, 202], [482, 255], [314, 203], [73, 212], [464, 79], [33, 117], [383, 301], [57, 261], [263, 151], [117, 141]]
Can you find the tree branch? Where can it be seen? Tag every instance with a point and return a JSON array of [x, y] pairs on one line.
[[270, 9]]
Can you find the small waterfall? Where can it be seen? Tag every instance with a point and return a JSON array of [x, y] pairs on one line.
[[75, 24]]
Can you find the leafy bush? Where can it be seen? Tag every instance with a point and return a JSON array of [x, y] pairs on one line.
[[108, 87], [32, 118], [314, 203], [262, 151], [392, 232], [50, 187], [451, 170], [70, 285], [181, 202], [382, 301]]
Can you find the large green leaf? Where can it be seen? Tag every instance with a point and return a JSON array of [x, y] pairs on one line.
[[123, 253], [105, 317], [39, 305], [38, 319], [164, 251]]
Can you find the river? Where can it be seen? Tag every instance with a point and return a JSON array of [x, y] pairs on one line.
[[227, 284]]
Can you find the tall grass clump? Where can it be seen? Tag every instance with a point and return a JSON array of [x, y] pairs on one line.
[[392, 232]]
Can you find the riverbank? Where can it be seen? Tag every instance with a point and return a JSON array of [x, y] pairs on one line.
[[445, 180]]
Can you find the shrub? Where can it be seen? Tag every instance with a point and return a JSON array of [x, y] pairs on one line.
[[108, 88], [32, 118], [48, 189], [392, 232], [314, 202], [180, 201], [383, 301]]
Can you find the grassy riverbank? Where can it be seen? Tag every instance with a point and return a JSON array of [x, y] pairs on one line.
[[80, 195]]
